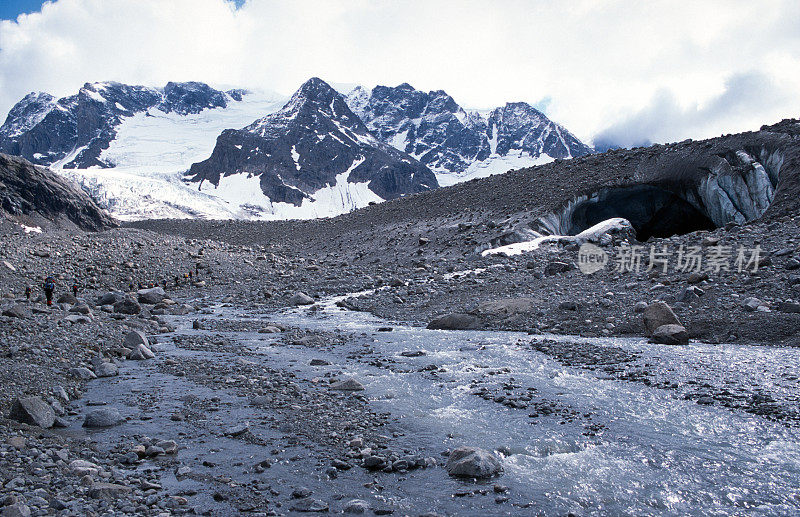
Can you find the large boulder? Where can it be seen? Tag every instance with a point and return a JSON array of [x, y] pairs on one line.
[[472, 462], [105, 417], [657, 314], [140, 353], [67, 298], [455, 321], [127, 306], [300, 298], [670, 334], [135, 338], [17, 311], [110, 298], [33, 411], [151, 296]]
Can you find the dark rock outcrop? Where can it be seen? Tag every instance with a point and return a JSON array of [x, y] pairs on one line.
[[303, 147], [28, 192]]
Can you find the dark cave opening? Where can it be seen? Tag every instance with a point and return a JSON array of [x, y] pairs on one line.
[[652, 211]]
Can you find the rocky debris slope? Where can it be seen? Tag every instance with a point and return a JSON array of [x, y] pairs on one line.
[[73, 131], [33, 194], [314, 142]]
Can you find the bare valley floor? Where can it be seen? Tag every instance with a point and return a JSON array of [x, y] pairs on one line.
[[241, 411]]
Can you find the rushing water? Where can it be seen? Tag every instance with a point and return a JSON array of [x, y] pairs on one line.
[[606, 447], [656, 453]]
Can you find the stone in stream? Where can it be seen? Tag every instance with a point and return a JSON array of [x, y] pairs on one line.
[[413, 353], [657, 314], [106, 369], [141, 353], [301, 492], [319, 362], [151, 296], [349, 384], [455, 321], [238, 430], [472, 462], [309, 505], [670, 335], [33, 411], [17, 311], [105, 417], [300, 298]]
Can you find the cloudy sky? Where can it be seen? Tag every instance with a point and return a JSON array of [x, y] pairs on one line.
[[613, 72]]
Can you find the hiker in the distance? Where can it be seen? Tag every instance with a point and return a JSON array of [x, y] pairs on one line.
[[28, 292], [49, 286], [74, 288]]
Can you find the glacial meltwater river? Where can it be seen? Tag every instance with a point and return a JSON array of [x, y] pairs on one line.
[[653, 453], [576, 439]]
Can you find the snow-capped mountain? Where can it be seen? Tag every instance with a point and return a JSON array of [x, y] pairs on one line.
[[429, 126], [320, 155], [455, 143], [315, 142], [72, 132]]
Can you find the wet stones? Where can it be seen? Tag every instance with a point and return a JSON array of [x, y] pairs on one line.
[[309, 505], [238, 430], [102, 418], [657, 314], [472, 462], [300, 298], [348, 384], [33, 411], [670, 335], [141, 353], [455, 321], [356, 507], [139, 345], [106, 369]]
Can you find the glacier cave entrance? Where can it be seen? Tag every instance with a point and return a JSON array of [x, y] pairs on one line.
[[652, 211]]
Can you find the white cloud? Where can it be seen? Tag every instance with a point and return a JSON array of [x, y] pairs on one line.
[[597, 62]]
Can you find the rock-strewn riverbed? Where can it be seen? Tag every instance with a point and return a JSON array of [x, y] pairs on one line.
[[253, 405]]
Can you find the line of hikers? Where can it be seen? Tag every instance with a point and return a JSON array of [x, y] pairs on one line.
[[49, 284]]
